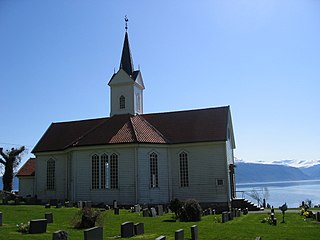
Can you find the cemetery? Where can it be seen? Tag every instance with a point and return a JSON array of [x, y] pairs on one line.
[[154, 222]]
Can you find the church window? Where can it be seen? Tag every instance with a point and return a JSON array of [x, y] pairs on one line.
[[104, 171], [153, 170], [51, 168], [114, 171], [95, 172], [138, 102], [122, 101], [184, 175]]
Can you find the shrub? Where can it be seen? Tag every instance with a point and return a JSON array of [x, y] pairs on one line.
[[191, 211], [176, 206], [87, 218]]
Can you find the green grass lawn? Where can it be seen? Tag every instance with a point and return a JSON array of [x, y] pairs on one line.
[[244, 227]]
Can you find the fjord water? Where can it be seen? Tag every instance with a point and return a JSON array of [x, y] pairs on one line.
[[290, 192]]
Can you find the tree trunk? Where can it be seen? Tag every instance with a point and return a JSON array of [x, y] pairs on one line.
[[7, 177]]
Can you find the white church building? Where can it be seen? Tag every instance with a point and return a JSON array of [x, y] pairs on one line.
[[133, 157]]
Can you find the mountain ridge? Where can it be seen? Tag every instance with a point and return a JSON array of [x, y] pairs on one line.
[[261, 172]]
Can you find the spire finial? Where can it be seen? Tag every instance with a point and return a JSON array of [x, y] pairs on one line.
[[126, 20]]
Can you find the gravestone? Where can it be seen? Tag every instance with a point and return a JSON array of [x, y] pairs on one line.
[[0, 218], [213, 211], [137, 208], [245, 211], [87, 204], [127, 229], [224, 217], [60, 235], [238, 212], [230, 216], [234, 212], [47, 205], [115, 204], [258, 238], [153, 212], [160, 210], [161, 238], [38, 226], [179, 234], [79, 204], [139, 228], [145, 212], [318, 216], [116, 211], [49, 217], [194, 232], [95, 233]]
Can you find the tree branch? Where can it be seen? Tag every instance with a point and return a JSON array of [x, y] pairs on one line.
[[3, 155]]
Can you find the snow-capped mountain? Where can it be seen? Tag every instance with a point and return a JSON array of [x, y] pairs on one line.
[[297, 163]]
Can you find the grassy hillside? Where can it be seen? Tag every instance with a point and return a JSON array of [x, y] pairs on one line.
[[244, 228]]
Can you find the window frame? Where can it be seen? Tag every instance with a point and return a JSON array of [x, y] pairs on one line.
[[184, 169], [154, 170], [51, 172]]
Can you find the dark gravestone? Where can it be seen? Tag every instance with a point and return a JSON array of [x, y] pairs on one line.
[[139, 228], [179, 234], [213, 211], [153, 212], [224, 217], [194, 232], [38, 226], [95, 233], [245, 211], [318, 216], [0, 218], [60, 235], [230, 216], [49, 217], [47, 205], [161, 238], [116, 211], [145, 212], [160, 210], [58, 205], [127, 230]]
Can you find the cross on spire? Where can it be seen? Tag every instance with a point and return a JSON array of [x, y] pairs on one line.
[[126, 20]]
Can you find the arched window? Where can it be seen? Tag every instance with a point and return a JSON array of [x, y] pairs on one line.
[[51, 169], [153, 170], [95, 172], [184, 174], [114, 171], [122, 101]]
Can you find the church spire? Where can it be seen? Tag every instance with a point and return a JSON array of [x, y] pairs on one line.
[[126, 60]]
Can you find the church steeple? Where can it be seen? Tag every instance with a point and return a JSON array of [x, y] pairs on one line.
[[126, 86], [126, 59]]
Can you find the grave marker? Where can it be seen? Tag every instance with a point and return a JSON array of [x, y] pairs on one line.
[[38, 226], [194, 232], [161, 238], [179, 234], [60, 235], [0, 218], [127, 230], [49, 217], [139, 228], [95, 233], [153, 212]]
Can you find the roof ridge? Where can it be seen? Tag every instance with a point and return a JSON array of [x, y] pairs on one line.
[[187, 110], [153, 127], [135, 134]]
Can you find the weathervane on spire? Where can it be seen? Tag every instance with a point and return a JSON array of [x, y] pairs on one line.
[[126, 20]]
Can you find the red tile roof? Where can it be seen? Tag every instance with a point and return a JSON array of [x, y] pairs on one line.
[[28, 169], [162, 128]]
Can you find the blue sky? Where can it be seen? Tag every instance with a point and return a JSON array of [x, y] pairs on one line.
[[260, 57]]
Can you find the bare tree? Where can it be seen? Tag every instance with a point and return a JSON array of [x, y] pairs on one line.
[[10, 159]]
